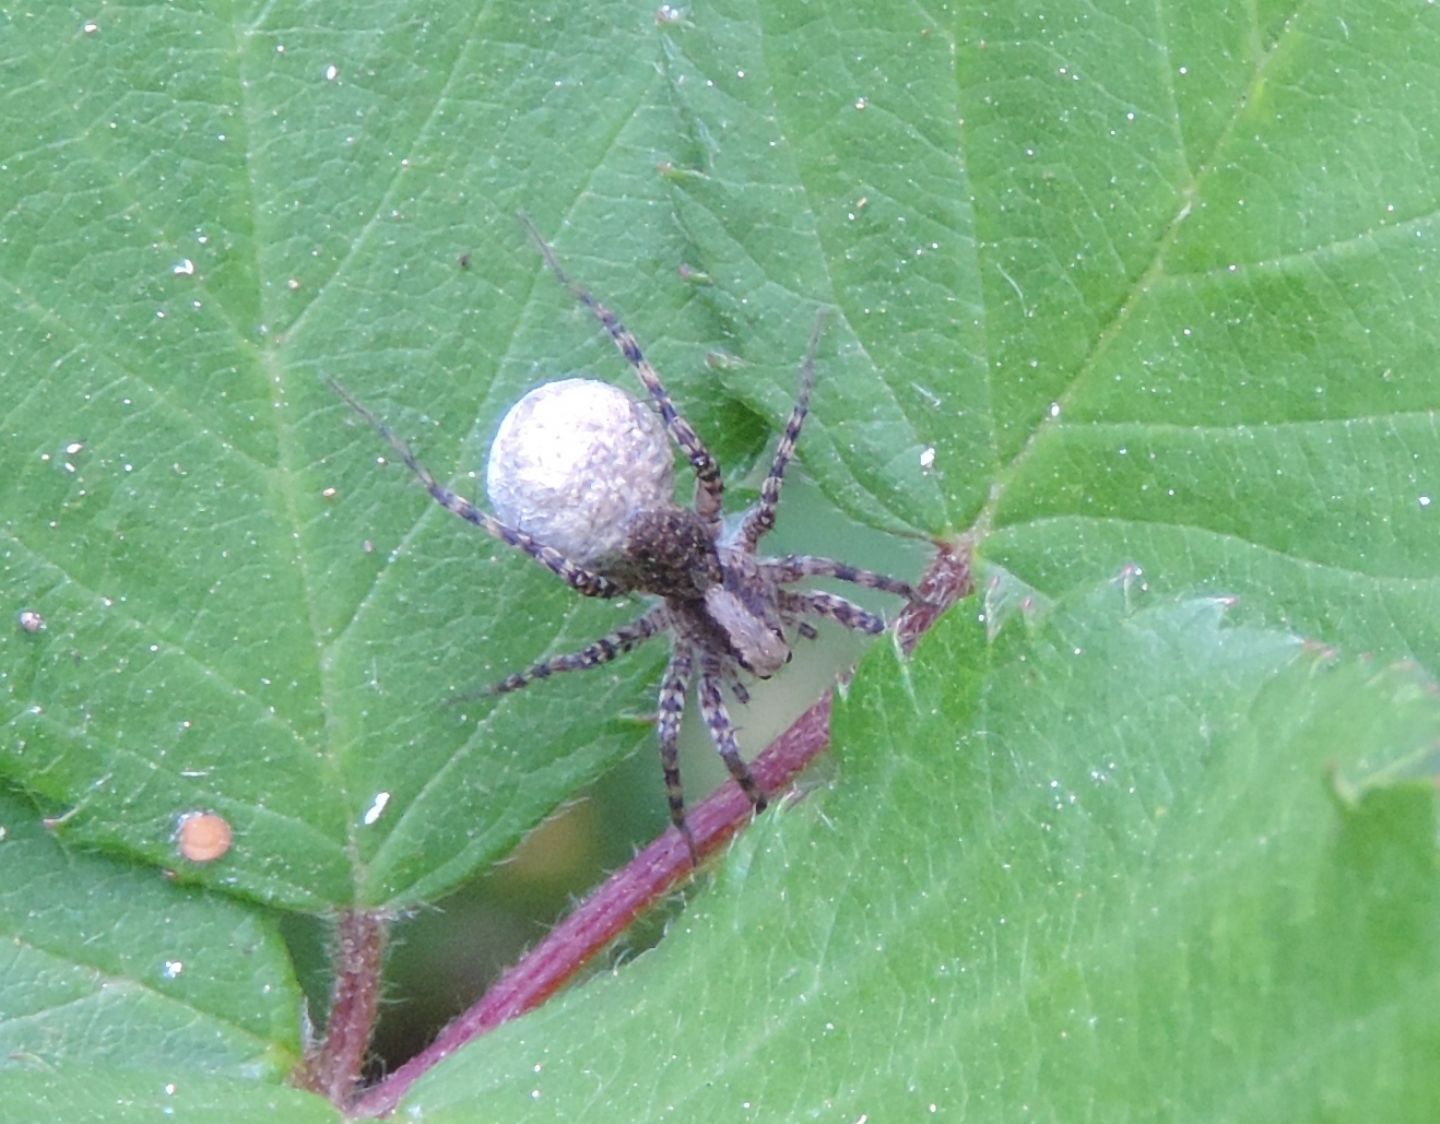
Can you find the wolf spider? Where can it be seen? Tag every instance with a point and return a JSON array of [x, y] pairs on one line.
[[726, 608]]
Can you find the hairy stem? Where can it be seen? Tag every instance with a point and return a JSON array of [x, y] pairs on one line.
[[332, 1067]]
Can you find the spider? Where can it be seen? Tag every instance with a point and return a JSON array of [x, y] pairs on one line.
[[726, 609]]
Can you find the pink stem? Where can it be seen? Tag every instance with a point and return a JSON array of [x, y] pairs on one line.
[[333, 1068]]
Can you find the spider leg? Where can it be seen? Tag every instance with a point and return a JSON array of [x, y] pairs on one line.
[[838, 609], [673, 689], [793, 567], [602, 651], [761, 519], [583, 580], [722, 730], [709, 496]]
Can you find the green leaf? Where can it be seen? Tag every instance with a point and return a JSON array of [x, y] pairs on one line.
[[855, 196], [245, 615], [1212, 259], [1093, 866], [1111, 287], [110, 965], [122, 1096]]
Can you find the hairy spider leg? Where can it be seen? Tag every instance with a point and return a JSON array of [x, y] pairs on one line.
[[722, 730], [588, 583], [822, 604], [761, 519], [624, 639], [794, 567], [673, 689], [710, 493]]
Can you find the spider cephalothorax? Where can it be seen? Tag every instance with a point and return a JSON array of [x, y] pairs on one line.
[[582, 478]]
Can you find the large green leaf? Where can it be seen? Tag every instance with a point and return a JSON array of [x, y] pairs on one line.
[[109, 965], [221, 216], [1085, 872], [1212, 258], [1111, 287], [139, 1095]]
